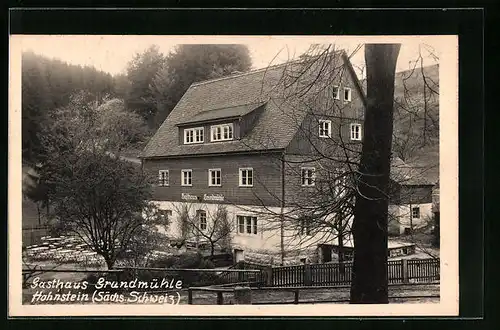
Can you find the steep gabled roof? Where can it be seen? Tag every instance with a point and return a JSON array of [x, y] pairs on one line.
[[235, 94]]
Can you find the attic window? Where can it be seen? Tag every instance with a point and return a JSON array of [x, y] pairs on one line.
[[325, 128], [222, 132], [193, 135], [347, 94], [336, 92], [356, 132]]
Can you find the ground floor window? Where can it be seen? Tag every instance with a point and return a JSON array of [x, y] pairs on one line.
[[247, 224], [305, 226], [415, 212], [202, 219]]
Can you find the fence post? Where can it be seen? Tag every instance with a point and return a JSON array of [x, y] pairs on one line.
[[220, 298], [190, 296], [242, 295], [269, 276], [404, 268], [307, 274], [296, 298]]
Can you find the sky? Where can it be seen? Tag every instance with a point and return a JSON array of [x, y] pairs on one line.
[[111, 53]]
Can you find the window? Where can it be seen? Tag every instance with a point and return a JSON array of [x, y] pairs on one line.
[[202, 219], [307, 176], [305, 225], [222, 132], [163, 178], [415, 212], [340, 185], [246, 177], [347, 94], [356, 132], [336, 93], [325, 128], [247, 224], [186, 177], [214, 177], [165, 215], [193, 135]]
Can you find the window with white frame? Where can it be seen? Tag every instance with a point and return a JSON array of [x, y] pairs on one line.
[[247, 224], [246, 177], [163, 179], [202, 219], [223, 132], [356, 132], [325, 128], [336, 92], [415, 212], [305, 225], [214, 177], [193, 135], [186, 177], [307, 176], [347, 94]]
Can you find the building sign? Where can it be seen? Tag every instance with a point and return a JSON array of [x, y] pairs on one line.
[[189, 197], [213, 197]]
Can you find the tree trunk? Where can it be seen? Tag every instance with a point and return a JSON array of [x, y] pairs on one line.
[[369, 278], [436, 229], [340, 238], [109, 262]]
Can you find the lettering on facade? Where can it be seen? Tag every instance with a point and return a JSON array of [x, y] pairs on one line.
[[213, 197], [189, 197]]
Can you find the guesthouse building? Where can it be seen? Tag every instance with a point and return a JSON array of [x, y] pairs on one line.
[[255, 145]]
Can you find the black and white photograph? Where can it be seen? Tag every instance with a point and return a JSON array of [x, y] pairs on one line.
[[188, 175]]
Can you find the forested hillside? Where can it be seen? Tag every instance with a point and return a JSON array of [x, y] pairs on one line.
[[47, 84], [136, 101], [416, 119]]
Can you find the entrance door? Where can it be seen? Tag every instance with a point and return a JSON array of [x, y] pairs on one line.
[[326, 253], [238, 255]]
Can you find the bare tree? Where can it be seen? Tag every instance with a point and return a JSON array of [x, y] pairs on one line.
[[205, 225], [303, 92], [369, 278], [94, 194]]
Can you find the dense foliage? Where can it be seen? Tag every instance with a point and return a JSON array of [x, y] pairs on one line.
[[48, 84], [93, 193]]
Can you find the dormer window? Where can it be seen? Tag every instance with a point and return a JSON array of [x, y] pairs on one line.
[[193, 135], [347, 94], [325, 128], [223, 132]]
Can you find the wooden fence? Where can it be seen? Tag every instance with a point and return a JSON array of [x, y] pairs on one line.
[[33, 235], [399, 272]]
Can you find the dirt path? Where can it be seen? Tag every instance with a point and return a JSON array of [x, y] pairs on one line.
[[397, 294]]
